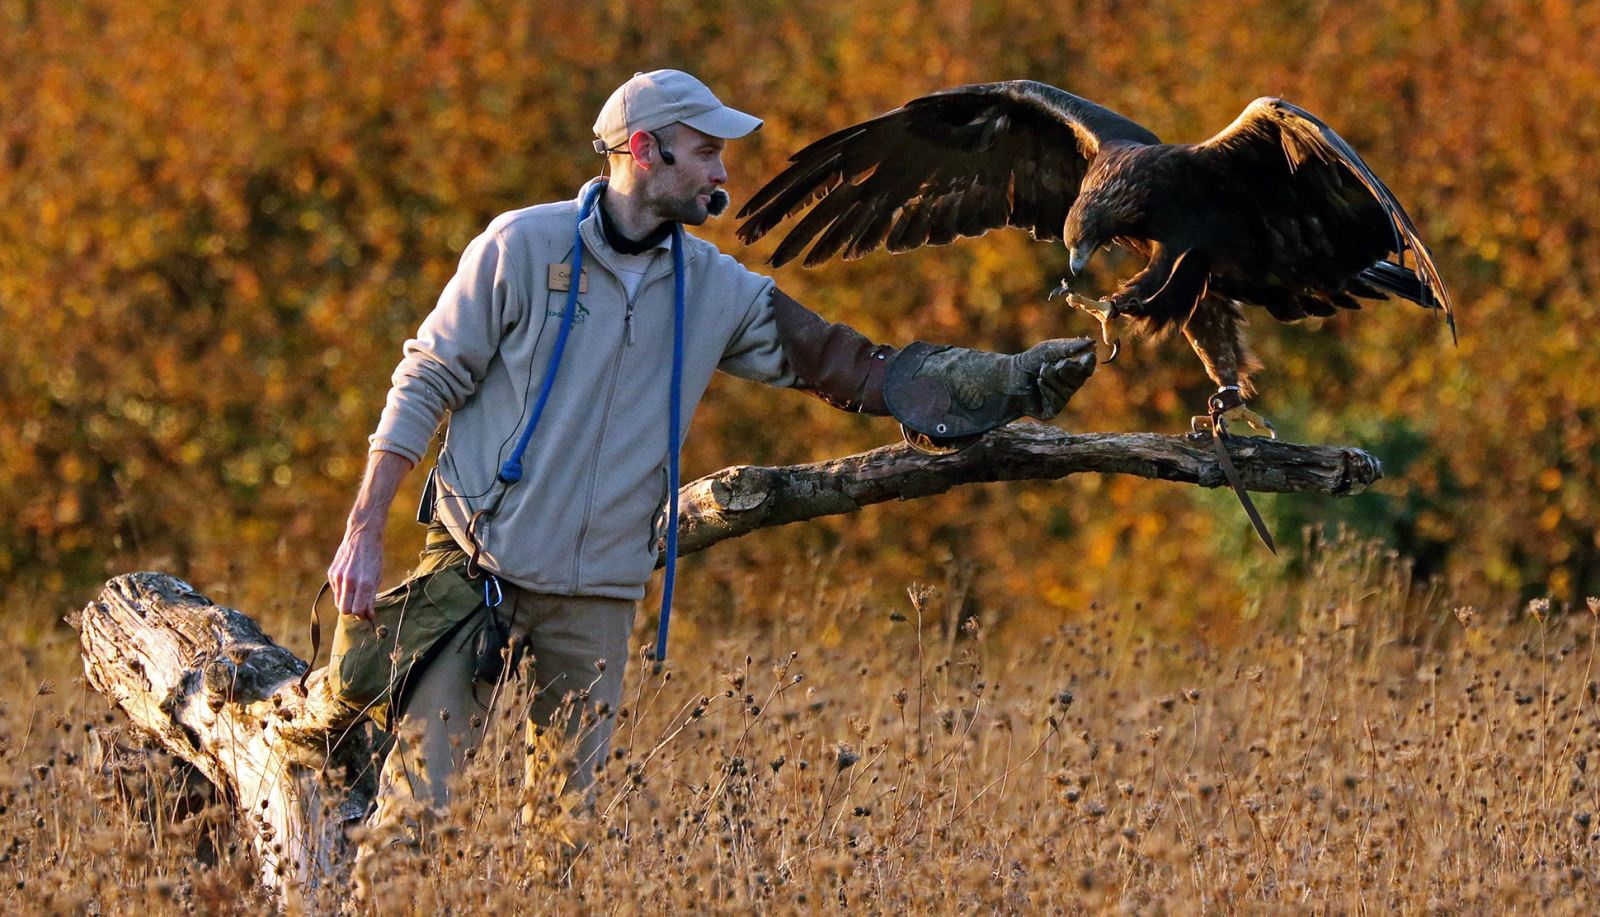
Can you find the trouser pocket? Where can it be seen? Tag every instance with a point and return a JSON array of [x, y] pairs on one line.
[[373, 662]]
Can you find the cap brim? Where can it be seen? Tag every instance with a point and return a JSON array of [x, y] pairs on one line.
[[726, 123]]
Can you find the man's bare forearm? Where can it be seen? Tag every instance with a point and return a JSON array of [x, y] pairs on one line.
[[385, 471], [358, 564]]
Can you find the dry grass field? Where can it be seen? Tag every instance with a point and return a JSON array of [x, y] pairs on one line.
[[1368, 747]]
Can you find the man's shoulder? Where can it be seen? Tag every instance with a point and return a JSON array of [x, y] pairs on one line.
[[536, 221], [699, 247]]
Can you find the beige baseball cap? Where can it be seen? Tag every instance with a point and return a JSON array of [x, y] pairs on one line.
[[656, 99]]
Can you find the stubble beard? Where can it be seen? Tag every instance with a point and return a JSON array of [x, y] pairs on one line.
[[689, 211]]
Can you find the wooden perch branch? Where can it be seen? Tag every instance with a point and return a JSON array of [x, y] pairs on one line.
[[736, 501], [209, 686]]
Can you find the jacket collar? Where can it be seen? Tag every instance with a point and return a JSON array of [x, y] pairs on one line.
[[595, 246]]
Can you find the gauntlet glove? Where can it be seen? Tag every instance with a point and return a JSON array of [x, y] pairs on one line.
[[946, 397]]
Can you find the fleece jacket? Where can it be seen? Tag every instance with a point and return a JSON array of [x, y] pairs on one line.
[[585, 518]]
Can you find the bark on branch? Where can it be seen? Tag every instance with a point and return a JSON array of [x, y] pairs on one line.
[[736, 501], [204, 682]]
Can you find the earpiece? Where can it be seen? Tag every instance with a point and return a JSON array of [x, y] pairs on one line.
[[666, 154]]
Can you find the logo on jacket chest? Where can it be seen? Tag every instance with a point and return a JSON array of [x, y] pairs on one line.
[[578, 315]]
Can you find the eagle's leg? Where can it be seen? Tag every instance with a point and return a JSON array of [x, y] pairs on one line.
[[1216, 332], [1105, 311], [1231, 405]]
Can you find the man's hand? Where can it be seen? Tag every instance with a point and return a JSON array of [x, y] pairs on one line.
[[356, 571], [357, 566]]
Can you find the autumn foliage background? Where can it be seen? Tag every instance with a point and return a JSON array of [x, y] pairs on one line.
[[219, 220]]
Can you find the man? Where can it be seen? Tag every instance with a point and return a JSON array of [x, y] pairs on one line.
[[561, 551]]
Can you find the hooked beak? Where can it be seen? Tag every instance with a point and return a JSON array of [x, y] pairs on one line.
[[1079, 258]]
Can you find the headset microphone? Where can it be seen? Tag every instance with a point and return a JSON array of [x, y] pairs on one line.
[[718, 202]]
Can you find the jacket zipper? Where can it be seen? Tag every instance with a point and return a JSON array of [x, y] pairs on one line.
[[594, 476], [599, 441]]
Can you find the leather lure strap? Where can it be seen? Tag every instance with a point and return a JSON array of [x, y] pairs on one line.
[[1216, 406], [316, 635]]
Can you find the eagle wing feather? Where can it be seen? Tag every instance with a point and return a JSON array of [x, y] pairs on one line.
[[1319, 200], [960, 162]]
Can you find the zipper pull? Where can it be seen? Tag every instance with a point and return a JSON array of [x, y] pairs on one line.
[[627, 320]]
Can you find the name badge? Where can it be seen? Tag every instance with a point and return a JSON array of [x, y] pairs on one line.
[[561, 278]]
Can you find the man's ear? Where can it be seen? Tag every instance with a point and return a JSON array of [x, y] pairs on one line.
[[643, 148]]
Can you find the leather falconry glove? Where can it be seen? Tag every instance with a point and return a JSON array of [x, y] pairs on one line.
[[947, 397], [944, 397]]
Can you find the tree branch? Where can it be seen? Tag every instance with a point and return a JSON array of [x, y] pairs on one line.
[[737, 501], [211, 688]]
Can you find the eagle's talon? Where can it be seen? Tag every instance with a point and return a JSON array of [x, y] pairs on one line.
[[1257, 422], [1104, 311], [1201, 424], [1060, 290]]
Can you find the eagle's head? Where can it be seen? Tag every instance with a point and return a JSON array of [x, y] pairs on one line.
[[1084, 234], [1106, 209]]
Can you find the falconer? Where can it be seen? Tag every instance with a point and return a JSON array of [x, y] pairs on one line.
[[569, 352]]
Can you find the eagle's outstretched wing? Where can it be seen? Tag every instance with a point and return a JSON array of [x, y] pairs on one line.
[[1323, 205], [956, 163]]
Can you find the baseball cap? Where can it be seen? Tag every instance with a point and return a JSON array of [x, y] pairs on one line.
[[656, 99]]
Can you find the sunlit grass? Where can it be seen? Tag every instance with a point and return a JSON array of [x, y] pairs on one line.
[[1365, 747]]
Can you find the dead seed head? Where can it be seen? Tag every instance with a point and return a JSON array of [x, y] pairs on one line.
[[1539, 609]]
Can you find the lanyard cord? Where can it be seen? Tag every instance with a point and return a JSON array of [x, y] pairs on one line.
[[673, 436], [511, 471]]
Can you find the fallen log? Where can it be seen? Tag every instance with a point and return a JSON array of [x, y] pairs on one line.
[[205, 683]]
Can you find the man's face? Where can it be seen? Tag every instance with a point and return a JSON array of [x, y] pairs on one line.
[[681, 192]]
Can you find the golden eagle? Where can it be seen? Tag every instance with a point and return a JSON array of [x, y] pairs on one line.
[[1276, 211]]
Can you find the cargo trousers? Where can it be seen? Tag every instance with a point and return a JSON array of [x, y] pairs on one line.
[[579, 649]]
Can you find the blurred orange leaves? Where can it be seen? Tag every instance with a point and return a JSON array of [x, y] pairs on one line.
[[218, 221]]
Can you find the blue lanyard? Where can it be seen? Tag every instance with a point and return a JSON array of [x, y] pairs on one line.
[[673, 433], [511, 470]]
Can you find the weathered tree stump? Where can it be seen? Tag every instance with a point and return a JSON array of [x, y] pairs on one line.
[[297, 766], [206, 684]]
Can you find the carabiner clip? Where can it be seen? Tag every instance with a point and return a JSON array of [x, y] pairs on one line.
[[494, 599]]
